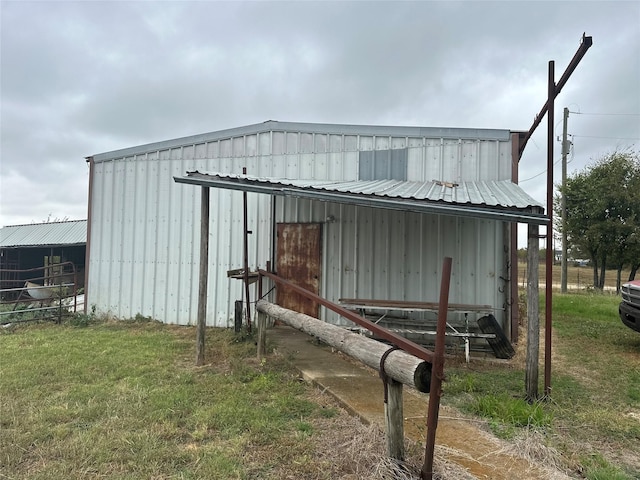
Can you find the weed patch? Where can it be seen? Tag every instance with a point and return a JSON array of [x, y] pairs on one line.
[[595, 390]]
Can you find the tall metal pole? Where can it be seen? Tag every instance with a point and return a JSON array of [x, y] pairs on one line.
[[550, 253], [563, 199], [437, 372]]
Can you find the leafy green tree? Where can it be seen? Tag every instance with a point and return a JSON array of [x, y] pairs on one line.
[[603, 213]]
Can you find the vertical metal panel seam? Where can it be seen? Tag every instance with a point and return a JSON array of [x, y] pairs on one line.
[[460, 263], [356, 266], [441, 172], [167, 292], [87, 260], [387, 267], [180, 225], [212, 284], [157, 228], [124, 311], [340, 249], [145, 233], [459, 162], [423, 160], [180, 235], [111, 239], [477, 162], [272, 162], [132, 268]]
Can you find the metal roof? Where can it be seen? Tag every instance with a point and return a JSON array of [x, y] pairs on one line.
[[44, 234], [498, 200], [320, 128]]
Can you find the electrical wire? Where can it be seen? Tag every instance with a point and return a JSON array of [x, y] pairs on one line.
[[606, 138], [608, 114], [542, 172]]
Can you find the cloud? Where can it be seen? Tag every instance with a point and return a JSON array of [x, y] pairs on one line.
[[90, 77]]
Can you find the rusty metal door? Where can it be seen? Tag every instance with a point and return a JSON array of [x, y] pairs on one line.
[[299, 260]]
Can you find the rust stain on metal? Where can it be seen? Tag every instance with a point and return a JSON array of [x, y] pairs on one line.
[[298, 260]]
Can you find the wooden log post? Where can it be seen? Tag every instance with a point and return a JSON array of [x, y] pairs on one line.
[[533, 315], [394, 420], [399, 365], [262, 335], [204, 275]]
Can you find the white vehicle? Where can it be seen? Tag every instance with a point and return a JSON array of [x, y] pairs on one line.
[[629, 308]]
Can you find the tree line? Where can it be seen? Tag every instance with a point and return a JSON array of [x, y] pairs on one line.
[[603, 215]]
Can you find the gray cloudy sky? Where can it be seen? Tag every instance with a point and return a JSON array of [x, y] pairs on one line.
[[79, 78]]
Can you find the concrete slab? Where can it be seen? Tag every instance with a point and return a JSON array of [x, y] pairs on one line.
[[360, 391]]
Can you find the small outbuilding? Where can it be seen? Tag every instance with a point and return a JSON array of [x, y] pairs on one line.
[[42, 251], [353, 212]]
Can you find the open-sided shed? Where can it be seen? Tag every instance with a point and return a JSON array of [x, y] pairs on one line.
[[26, 251], [360, 212]]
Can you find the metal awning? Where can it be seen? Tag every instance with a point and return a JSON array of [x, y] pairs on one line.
[[497, 200]]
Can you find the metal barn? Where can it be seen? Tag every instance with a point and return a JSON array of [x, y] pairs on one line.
[[365, 212]]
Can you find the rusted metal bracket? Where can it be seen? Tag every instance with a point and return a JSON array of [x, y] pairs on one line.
[[582, 50]]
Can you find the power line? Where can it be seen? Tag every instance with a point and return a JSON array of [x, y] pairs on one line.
[[531, 178], [606, 138], [541, 173], [608, 114]]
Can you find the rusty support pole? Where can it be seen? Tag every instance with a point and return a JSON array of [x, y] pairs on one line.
[[550, 250], [246, 254], [437, 372], [204, 275]]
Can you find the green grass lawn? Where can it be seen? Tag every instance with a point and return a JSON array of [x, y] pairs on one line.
[[593, 415], [122, 400]]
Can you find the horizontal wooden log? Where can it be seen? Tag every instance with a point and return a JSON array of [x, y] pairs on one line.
[[399, 365]]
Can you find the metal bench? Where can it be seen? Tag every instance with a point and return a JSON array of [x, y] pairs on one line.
[[385, 306]]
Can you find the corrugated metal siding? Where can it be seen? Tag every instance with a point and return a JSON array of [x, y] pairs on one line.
[[44, 234], [145, 227], [382, 254]]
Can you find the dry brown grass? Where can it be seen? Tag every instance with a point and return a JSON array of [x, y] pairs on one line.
[[343, 447]]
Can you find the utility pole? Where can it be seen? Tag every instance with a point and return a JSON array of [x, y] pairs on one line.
[[565, 151]]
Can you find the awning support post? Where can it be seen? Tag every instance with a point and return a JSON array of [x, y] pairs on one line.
[[204, 275]]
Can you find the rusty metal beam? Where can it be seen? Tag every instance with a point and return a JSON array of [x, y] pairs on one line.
[[398, 340], [582, 50]]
